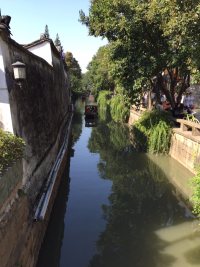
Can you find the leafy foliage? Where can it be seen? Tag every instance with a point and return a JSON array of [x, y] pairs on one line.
[[11, 148], [57, 41], [148, 39], [103, 101], [87, 85], [99, 74], [195, 182], [46, 32], [119, 108], [159, 140], [152, 132], [58, 45], [74, 69]]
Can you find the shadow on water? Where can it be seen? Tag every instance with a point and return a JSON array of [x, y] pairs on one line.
[[51, 247]]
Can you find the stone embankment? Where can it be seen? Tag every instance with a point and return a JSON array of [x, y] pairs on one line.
[[185, 148], [185, 142], [20, 234]]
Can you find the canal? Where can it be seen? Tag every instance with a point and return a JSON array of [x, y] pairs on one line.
[[117, 207]]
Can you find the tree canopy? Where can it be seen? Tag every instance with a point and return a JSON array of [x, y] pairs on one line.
[[46, 32], [74, 72], [149, 39], [99, 71]]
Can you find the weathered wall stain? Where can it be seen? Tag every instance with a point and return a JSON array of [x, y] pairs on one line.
[[39, 111]]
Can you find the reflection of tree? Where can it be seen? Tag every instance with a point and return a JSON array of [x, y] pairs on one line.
[[141, 202], [111, 136], [77, 120]]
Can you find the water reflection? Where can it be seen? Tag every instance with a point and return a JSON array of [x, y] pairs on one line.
[[122, 209], [140, 205], [90, 122], [77, 120]]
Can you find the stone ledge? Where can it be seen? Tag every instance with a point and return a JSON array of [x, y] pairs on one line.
[[187, 134]]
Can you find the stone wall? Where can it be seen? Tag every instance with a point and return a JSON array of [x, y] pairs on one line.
[[185, 148], [20, 235], [40, 111], [40, 106]]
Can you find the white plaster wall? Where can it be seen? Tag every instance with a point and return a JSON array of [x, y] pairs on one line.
[[42, 50], [5, 117], [5, 113], [2, 71]]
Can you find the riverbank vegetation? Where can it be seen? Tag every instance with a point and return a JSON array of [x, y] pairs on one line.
[[11, 148], [115, 106], [152, 132], [195, 182]]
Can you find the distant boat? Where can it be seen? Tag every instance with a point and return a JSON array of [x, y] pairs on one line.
[[91, 111]]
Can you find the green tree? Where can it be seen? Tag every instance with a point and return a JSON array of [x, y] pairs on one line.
[[180, 24], [99, 71], [150, 40], [57, 41], [74, 70], [87, 82], [58, 45], [46, 32]]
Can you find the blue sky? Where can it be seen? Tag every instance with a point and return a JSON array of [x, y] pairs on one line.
[[29, 18]]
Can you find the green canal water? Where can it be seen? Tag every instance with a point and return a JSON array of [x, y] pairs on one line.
[[118, 208]]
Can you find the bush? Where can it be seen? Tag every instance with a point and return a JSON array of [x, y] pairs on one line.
[[11, 149], [159, 139], [196, 192], [152, 132]]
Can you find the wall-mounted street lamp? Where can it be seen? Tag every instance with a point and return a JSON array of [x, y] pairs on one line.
[[19, 70]]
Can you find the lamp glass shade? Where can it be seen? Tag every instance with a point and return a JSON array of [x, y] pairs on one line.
[[19, 69]]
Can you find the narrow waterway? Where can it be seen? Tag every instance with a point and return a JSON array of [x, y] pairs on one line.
[[118, 208]]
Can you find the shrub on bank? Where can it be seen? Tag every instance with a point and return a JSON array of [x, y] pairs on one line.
[[152, 132], [11, 149], [196, 192]]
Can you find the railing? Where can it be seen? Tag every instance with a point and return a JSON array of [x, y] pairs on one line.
[[187, 125]]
